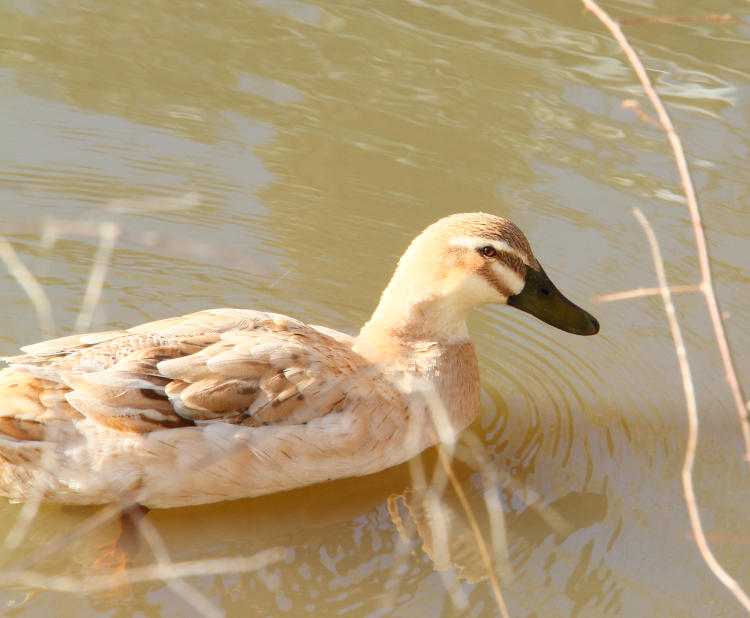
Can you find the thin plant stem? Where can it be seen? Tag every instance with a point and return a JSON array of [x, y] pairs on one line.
[[153, 572], [641, 292], [107, 240], [176, 582], [707, 288], [692, 410], [30, 285], [681, 19], [486, 558], [706, 284]]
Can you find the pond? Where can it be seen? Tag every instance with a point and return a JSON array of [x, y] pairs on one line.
[[280, 155]]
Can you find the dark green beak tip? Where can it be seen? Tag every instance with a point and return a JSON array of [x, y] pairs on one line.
[[589, 329], [542, 299]]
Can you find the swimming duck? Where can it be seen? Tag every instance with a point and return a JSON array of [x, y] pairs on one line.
[[230, 403]]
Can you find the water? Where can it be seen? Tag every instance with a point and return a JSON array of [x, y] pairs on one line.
[[280, 156]]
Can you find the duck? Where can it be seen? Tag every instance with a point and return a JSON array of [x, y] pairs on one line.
[[227, 403]]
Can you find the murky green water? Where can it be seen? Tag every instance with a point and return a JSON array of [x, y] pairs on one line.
[[280, 156]]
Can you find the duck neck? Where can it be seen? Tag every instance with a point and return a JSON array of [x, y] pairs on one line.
[[413, 316], [419, 330], [417, 334]]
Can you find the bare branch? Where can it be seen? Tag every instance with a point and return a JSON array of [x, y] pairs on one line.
[[109, 233], [707, 286], [641, 292], [486, 558], [154, 572], [174, 580], [30, 285], [692, 410]]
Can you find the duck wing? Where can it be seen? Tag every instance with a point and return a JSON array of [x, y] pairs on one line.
[[234, 366]]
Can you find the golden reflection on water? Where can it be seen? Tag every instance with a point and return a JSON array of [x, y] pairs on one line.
[[314, 140]]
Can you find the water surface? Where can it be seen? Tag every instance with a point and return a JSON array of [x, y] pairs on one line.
[[280, 156]]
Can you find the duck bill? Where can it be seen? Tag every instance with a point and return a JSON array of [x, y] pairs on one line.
[[542, 299]]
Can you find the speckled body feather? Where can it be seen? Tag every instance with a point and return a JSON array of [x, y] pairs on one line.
[[214, 405]]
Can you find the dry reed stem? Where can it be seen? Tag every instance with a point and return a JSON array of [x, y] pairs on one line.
[[641, 292], [102, 516], [31, 286], [447, 441], [678, 19], [692, 410], [175, 582], [486, 558], [20, 527], [473, 448], [531, 499], [107, 239], [154, 572], [706, 287], [148, 239], [706, 284]]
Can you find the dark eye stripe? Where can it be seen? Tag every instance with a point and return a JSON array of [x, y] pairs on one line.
[[489, 274], [513, 262], [506, 257]]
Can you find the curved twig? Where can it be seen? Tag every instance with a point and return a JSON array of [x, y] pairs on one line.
[[706, 287]]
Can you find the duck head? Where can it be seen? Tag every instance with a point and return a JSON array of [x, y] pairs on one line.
[[463, 261]]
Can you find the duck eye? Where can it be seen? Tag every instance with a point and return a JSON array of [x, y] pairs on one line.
[[488, 251]]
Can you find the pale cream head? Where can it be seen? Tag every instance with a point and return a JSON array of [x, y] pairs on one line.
[[456, 264]]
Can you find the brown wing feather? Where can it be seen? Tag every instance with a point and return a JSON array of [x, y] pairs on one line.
[[30, 406], [274, 370], [236, 366]]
